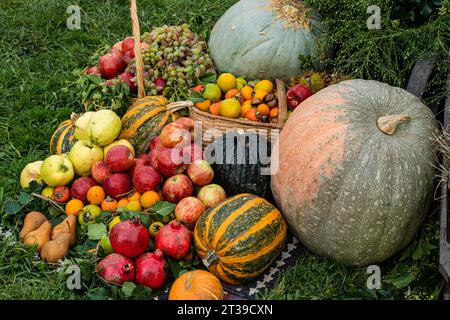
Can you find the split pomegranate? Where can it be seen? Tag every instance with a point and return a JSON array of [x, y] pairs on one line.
[[129, 238], [297, 94], [151, 270], [174, 239], [116, 269]]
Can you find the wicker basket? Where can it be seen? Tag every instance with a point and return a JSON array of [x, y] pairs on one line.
[[214, 126]]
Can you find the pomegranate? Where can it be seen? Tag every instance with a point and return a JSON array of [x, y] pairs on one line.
[[145, 178], [129, 238], [116, 269], [111, 65], [128, 57], [127, 77], [128, 44], [169, 161], [160, 84], [151, 270], [297, 94], [174, 239], [117, 185]]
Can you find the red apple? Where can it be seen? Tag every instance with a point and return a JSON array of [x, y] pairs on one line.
[[186, 122], [169, 161], [127, 77], [119, 158], [177, 187], [156, 143], [117, 53], [118, 46], [175, 135], [127, 44], [211, 195], [93, 70], [200, 172], [145, 178], [188, 210], [192, 153], [128, 57], [80, 188], [111, 65], [117, 185], [100, 171]]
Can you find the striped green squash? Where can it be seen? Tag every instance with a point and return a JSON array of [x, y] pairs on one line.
[[143, 120], [240, 237], [63, 138]]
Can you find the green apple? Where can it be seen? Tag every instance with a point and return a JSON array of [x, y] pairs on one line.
[[122, 142], [32, 171], [80, 126], [83, 155], [103, 127], [106, 245], [57, 170], [88, 214]]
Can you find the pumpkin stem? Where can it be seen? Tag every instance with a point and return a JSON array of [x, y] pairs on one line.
[[74, 117], [388, 124], [211, 258]]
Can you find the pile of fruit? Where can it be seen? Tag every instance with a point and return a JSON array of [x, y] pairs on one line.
[[174, 59], [233, 97]]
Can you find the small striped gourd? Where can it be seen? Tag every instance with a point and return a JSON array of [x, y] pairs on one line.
[[63, 138], [144, 119], [240, 237]]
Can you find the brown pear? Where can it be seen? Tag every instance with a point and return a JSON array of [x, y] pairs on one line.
[[56, 249], [32, 221], [40, 236], [68, 225]]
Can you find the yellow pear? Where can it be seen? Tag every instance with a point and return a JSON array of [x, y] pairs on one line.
[[56, 249], [32, 221], [40, 236], [68, 225]]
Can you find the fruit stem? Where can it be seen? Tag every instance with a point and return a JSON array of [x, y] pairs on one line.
[[211, 258], [388, 124], [52, 202]]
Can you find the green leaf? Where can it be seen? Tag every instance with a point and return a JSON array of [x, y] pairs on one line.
[[145, 219], [197, 97], [96, 231], [208, 78], [12, 207], [98, 294], [141, 293], [401, 281], [163, 208], [25, 198], [93, 78], [128, 288]]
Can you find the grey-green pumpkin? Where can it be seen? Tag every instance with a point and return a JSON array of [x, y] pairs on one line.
[[265, 38], [355, 170]]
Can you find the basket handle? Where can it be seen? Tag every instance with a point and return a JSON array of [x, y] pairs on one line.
[[137, 49], [282, 104]]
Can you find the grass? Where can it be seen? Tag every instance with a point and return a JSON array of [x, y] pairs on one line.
[[38, 55]]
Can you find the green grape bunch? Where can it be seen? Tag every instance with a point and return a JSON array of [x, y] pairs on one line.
[[175, 59]]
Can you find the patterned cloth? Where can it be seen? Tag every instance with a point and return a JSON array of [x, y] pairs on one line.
[[267, 280]]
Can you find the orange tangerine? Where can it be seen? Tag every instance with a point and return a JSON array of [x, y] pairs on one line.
[[231, 93], [247, 93], [204, 106], [149, 198], [122, 203], [74, 206], [96, 195], [247, 105], [135, 196], [260, 94], [214, 109], [263, 109], [273, 112]]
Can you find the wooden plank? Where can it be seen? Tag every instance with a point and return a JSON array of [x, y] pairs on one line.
[[419, 77], [444, 241]]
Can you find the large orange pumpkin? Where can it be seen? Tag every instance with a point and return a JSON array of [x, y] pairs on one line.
[[355, 170], [196, 285]]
